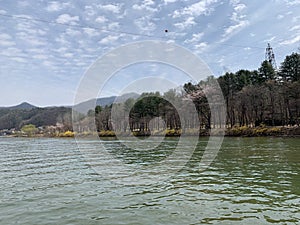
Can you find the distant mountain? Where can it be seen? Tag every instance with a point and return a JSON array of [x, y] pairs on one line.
[[25, 113], [13, 117], [84, 107], [23, 105], [126, 96], [105, 101]]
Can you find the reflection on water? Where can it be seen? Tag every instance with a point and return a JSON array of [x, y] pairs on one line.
[[252, 181]]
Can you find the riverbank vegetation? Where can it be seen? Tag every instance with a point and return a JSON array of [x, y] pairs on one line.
[[258, 103], [261, 102]]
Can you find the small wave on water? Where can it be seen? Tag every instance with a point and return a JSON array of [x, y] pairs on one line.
[[48, 181]]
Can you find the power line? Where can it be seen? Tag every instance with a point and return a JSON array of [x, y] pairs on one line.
[[112, 31], [240, 46], [79, 26]]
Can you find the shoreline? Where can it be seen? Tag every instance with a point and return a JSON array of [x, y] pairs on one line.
[[244, 131]]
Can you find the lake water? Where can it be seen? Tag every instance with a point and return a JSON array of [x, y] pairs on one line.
[[49, 181]]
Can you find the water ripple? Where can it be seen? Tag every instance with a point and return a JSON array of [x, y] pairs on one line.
[[48, 181]]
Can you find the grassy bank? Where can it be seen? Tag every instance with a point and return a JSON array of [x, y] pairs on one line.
[[230, 132], [243, 131], [262, 131]]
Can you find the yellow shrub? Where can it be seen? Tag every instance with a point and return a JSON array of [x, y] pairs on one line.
[[173, 132], [66, 134], [107, 133]]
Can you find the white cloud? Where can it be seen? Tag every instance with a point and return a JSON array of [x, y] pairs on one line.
[[169, 1], [4, 36], [297, 27], [113, 26], [145, 24], [239, 7], [89, 11], [91, 32], [111, 8], [19, 59], [38, 32], [40, 56], [196, 9], [80, 64], [195, 38], [24, 16], [23, 3], [292, 2], [201, 46], [149, 2], [296, 19], [67, 19], [50, 64], [291, 41], [7, 43], [12, 51], [69, 49], [279, 17], [36, 42], [72, 32], [61, 50], [233, 29], [61, 39], [234, 2], [101, 19], [68, 55], [28, 29], [238, 20], [25, 25], [5, 40], [57, 6], [236, 17], [190, 21], [109, 39], [147, 5], [30, 35], [270, 39]]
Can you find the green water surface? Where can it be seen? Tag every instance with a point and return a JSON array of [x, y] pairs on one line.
[[49, 181]]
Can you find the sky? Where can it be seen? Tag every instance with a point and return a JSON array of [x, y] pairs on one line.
[[46, 47]]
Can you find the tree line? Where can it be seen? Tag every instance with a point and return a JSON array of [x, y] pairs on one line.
[[263, 96], [266, 95]]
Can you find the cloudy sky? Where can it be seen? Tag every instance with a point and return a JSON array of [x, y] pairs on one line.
[[47, 46]]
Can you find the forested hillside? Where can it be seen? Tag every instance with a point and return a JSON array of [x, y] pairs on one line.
[[16, 118]]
